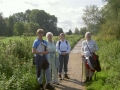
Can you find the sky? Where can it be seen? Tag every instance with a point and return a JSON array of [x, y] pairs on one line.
[[68, 12]]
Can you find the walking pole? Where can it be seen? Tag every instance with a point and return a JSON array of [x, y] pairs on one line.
[[82, 73]]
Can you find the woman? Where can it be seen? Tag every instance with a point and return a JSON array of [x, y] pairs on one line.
[[51, 57], [38, 49], [63, 48], [88, 46]]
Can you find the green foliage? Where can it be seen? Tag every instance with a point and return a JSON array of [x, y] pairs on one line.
[[16, 69], [111, 13], [83, 30], [2, 25], [28, 22], [92, 18], [109, 77], [77, 31], [31, 27], [18, 28], [69, 32]]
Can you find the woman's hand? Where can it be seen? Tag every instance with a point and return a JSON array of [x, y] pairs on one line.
[[44, 52], [82, 56], [64, 53]]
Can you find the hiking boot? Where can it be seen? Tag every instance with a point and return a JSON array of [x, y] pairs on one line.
[[87, 79], [60, 77], [41, 87], [49, 87], [66, 76]]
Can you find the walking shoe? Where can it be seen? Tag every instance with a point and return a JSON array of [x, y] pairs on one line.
[[87, 79], [60, 77], [66, 76], [49, 87], [41, 87], [55, 82]]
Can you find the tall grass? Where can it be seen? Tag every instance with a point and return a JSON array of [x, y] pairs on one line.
[[16, 69], [109, 55]]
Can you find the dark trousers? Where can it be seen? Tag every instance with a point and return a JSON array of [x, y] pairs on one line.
[[63, 60]]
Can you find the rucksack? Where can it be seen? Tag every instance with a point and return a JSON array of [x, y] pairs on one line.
[[93, 61], [60, 43]]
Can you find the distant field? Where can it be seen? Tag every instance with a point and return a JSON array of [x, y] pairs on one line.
[[14, 38], [6, 39], [71, 38]]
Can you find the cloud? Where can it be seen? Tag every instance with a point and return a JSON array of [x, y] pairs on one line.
[[72, 10], [32, 3], [53, 2], [73, 18], [1, 1], [65, 23]]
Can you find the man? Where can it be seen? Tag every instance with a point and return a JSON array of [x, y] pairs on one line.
[[38, 49]]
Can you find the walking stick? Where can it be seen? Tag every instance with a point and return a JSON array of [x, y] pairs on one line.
[[82, 73]]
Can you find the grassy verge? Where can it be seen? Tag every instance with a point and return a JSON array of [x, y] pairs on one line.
[[109, 54], [16, 69]]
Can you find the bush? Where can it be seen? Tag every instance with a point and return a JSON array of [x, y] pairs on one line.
[[109, 53]]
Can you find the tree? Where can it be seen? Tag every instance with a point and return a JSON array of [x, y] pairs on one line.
[[77, 31], [111, 13], [9, 26], [31, 27], [19, 28], [92, 18], [46, 21], [2, 25], [27, 15], [83, 30], [70, 32], [19, 17], [32, 20], [60, 30]]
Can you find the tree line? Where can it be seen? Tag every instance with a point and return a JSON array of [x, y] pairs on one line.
[[26, 23], [104, 20]]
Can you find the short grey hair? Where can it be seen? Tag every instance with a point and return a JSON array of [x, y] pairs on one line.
[[87, 33], [48, 34]]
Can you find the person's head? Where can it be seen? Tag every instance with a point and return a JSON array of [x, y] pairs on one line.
[[49, 36], [62, 36], [88, 36], [40, 33]]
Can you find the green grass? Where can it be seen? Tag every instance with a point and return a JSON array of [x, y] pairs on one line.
[[16, 69], [109, 55]]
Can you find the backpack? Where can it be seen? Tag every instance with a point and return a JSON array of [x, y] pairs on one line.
[[60, 43], [93, 61]]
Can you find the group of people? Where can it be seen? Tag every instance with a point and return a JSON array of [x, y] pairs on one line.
[[45, 54], [51, 72]]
